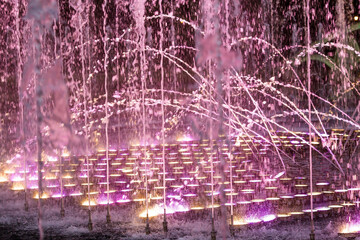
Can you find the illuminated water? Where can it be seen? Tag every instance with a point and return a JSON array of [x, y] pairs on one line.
[[243, 111]]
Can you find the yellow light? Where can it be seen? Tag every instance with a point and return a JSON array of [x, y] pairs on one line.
[[139, 199], [356, 18], [197, 208], [50, 177], [283, 215], [239, 222], [70, 185], [350, 228], [315, 193], [152, 212], [335, 206], [3, 179], [213, 206], [86, 203], [272, 198], [296, 213], [65, 154], [17, 186], [43, 196]]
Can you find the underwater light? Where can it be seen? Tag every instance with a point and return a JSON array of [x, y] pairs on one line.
[[105, 202], [184, 139], [43, 196], [350, 231], [159, 210], [269, 217], [86, 203], [3, 179], [239, 222], [17, 187]]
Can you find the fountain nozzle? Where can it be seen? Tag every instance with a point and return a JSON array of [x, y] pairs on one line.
[[147, 228]]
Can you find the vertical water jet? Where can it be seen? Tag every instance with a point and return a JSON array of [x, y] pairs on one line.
[[105, 39], [21, 101], [308, 75], [86, 127], [165, 226], [60, 158]]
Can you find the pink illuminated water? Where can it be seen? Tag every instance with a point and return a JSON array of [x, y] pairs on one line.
[[216, 106]]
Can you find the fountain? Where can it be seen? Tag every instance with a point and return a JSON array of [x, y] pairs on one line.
[[225, 112], [350, 230]]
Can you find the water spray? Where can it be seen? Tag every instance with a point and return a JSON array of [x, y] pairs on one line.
[[308, 64], [90, 224], [108, 217], [165, 224], [62, 210]]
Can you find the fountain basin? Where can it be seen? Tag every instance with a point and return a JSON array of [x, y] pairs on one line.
[[349, 235]]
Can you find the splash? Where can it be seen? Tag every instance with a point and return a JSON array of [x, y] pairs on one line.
[[254, 219], [158, 209], [350, 227]]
